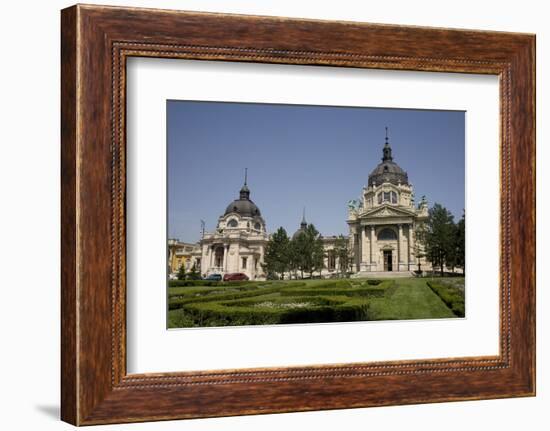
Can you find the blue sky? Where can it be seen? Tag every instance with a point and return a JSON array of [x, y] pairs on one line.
[[317, 157]]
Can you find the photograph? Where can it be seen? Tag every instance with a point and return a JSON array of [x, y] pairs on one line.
[[302, 214]]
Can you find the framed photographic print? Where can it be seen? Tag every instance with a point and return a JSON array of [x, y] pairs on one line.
[[268, 215]]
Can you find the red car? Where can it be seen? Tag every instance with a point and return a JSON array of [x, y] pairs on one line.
[[236, 276]]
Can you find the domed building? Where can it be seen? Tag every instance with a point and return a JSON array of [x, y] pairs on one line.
[[381, 230], [382, 223], [238, 243]]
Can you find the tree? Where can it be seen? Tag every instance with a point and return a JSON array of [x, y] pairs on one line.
[[317, 250], [307, 252], [293, 258], [181, 272], [344, 254], [301, 255], [277, 254], [193, 274], [440, 236], [419, 243], [461, 243]]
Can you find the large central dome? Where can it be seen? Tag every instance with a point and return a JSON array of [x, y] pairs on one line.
[[388, 171], [243, 206]]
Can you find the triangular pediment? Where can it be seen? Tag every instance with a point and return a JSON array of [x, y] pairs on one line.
[[389, 211]]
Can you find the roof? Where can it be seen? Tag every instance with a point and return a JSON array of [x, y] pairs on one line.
[[243, 207], [388, 171]]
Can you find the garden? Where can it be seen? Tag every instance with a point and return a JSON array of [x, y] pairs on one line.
[[201, 303]]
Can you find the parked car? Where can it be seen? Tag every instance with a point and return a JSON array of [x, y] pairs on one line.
[[214, 277], [236, 276]]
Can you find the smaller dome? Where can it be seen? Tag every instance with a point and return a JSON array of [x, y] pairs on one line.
[[303, 226], [243, 206]]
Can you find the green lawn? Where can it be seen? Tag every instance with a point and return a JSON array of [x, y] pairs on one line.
[[413, 299], [306, 301]]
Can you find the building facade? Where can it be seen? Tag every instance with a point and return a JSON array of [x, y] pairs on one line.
[[381, 237], [180, 254], [382, 223], [238, 243]]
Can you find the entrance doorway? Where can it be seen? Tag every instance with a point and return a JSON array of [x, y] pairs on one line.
[[218, 261], [388, 260]]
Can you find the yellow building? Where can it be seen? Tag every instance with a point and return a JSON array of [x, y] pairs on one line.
[[179, 253]]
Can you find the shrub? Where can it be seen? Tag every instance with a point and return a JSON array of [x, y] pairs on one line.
[[452, 296], [373, 282]]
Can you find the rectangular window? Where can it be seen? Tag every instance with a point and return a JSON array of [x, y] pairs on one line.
[[244, 259]]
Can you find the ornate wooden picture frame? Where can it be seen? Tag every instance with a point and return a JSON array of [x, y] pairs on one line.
[[96, 42]]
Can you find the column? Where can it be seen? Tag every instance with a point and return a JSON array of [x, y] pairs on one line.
[[400, 247], [250, 265], [409, 247], [210, 256], [224, 261], [356, 250], [372, 246], [364, 248], [260, 267]]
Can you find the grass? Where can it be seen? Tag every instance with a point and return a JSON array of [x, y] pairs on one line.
[[413, 299], [307, 301], [451, 293]]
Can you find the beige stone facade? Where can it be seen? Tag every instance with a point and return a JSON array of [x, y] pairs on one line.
[[382, 226], [237, 244], [382, 223]]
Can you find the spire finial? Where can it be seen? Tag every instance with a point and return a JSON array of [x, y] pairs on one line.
[[304, 223], [386, 151], [245, 191]]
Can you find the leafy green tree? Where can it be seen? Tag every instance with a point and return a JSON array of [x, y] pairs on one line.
[[293, 258], [461, 242], [419, 243], [277, 254], [344, 254], [181, 272], [307, 253], [440, 236], [301, 256], [193, 274], [317, 250]]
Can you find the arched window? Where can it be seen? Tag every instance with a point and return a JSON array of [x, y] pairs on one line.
[[258, 226], [387, 234], [232, 223]]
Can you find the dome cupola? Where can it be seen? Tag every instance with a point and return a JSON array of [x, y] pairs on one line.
[[243, 206], [388, 171]]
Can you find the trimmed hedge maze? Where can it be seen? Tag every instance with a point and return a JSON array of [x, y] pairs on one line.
[[200, 304], [451, 293]]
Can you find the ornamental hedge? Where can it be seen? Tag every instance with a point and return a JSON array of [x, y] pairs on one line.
[[451, 295], [261, 303]]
